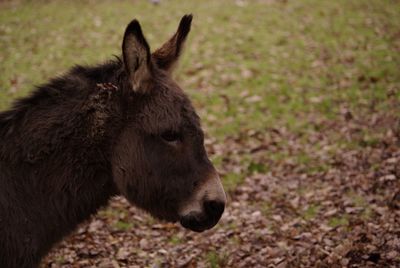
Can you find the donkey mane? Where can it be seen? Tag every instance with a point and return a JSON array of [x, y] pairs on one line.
[[76, 87]]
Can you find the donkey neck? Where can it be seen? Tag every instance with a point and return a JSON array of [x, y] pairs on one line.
[[55, 148]]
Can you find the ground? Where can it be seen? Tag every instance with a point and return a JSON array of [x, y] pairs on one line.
[[300, 101]]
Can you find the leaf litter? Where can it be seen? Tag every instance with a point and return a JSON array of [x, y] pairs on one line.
[[346, 215]]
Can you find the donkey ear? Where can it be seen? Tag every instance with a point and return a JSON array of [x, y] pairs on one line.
[[137, 57], [168, 54]]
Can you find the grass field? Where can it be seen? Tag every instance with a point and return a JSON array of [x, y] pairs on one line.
[[300, 101]]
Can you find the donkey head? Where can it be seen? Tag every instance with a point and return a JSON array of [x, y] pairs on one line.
[[159, 161]]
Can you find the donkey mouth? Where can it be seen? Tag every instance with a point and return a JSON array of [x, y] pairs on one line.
[[201, 221], [197, 223]]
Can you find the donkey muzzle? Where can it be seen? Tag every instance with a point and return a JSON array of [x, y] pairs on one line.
[[200, 222], [205, 208]]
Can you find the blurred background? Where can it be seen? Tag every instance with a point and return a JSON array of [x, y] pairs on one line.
[[300, 101]]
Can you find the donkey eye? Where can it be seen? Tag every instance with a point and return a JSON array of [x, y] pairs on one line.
[[170, 136]]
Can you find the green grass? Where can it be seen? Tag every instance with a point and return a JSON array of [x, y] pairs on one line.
[[175, 240], [310, 212], [264, 64], [122, 225], [232, 180], [338, 221], [216, 260], [360, 201]]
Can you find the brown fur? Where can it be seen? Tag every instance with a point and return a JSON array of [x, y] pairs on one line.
[[124, 127]]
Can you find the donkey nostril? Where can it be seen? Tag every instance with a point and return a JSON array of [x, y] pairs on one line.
[[215, 208]]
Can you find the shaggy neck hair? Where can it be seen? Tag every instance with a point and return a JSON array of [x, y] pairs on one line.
[[64, 129]]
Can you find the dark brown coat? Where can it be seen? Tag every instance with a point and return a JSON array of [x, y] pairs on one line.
[[124, 127]]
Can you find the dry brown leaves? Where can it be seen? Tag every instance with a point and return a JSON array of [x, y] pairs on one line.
[[345, 214]]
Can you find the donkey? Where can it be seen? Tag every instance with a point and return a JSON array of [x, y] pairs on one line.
[[120, 128]]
